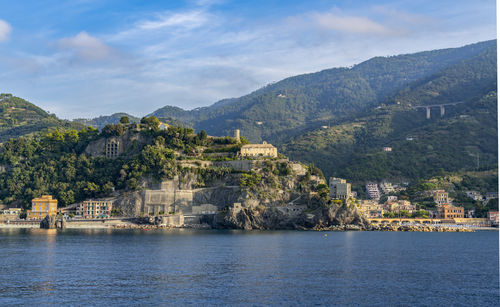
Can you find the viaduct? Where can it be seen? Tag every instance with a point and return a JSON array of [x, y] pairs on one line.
[[441, 107]]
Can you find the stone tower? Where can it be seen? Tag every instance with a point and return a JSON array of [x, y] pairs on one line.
[[237, 135]]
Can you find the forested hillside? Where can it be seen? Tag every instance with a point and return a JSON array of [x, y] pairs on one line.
[[466, 134], [341, 119], [101, 121], [19, 117], [295, 104], [371, 106]]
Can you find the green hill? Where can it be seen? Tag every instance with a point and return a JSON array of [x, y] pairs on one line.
[[371, 106], [101, 121], [352, 147], [19, 117], [295, 104]]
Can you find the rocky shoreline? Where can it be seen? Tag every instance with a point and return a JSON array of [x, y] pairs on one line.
[[399, 228], [340, 228]]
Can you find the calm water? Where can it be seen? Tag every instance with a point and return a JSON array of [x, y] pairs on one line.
[[184, 267]]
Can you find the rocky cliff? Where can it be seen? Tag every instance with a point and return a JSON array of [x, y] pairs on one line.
[[264, 194]]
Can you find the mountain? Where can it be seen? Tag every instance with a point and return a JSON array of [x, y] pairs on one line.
[[101, 121], [18, 117], [298, 103], [421, 147], [370, 106]]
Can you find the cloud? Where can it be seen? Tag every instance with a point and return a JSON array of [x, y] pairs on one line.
[[189, 20], [351, 24], [86, 47], [5, 30]]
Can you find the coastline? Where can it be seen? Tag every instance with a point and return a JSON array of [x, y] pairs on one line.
[[339, 228]]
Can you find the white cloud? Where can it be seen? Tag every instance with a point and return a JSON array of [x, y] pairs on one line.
[[86, 47], [351, 24], [189, 20], [195, 56], [5, 30]]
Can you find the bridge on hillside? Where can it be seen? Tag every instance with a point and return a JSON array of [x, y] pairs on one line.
[[441, 107]]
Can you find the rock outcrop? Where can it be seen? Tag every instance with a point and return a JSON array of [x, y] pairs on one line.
[[270, 218], [273, 194], [53, 222]]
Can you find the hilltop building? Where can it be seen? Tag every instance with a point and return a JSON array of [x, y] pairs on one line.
[[41, 207], [259, 150], [237, 135], [91, 209], [112, 148], [339, 188]]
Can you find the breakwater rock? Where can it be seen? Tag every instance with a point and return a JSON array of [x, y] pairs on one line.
[[53, 222]]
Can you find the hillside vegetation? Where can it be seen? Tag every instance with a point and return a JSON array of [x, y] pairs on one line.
[[295, 104], [421, 147], [19, 117]]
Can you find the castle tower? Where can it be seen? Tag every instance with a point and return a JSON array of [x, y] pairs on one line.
[[237, 135]]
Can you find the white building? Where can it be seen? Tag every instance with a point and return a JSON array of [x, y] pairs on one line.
[[372, 190], [339, 188]]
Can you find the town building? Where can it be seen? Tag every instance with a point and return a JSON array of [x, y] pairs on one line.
[[41, 207], [372, 190], [387, 149], [489, 196], [400, 205], [470, 213], [91, 209], [441, 197], [205, 209], [474, 195], [386, 187], [447, 211], [392, 198], [259, 150], [493, 217], [10, 214], [371, 209], [339, 188]]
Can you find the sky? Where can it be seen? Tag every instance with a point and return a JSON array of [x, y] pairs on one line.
[[85, 58]]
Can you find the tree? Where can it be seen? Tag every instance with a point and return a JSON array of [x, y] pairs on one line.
[[202, 135], [113, 130], [125, 120], [151, 122]]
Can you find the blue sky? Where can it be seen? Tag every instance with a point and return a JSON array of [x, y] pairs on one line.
[[86, 58]]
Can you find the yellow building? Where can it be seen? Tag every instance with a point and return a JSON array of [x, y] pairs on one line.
[[441, 197], [41, 207], [259, 150]]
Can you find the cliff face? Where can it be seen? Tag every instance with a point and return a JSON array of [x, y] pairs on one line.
[[270, 218], [264, 194]]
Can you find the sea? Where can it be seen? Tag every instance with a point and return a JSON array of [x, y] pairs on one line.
[[182, 267]]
